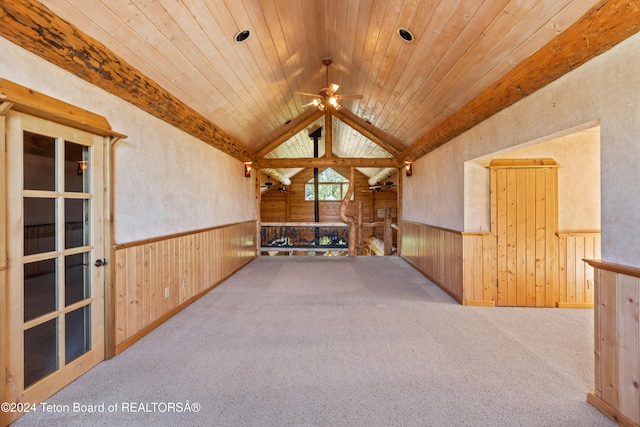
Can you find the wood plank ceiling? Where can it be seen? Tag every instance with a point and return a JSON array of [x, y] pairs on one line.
[[248, 89]]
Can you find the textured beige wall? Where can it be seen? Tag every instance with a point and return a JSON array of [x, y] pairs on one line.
[[578, 155], [605, 90], [166, 181]]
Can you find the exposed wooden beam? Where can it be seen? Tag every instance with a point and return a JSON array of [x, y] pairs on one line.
[[312, 117], [328, 135], [5, 107], [359, 125], [275, 174], [323, 162], [605, 25], [381, 175], [37, 29]]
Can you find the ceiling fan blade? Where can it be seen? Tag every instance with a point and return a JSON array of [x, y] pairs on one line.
[[333, 88], [315, 95], [348, 97]]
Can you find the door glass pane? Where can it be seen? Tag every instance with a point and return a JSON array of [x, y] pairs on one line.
[[76, 287], [40, 279], [40, 351], [76, 226], [39, 225], [76, 168], [77, 336], [39, 162]]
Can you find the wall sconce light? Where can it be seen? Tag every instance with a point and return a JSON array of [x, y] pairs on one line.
[[83, 165], [408, 168], [247, 169]]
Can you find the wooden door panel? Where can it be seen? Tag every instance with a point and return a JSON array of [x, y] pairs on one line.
[[524, 220]]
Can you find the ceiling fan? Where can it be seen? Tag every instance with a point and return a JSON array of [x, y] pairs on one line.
[[378, 187], [269, 185], [327, 97]]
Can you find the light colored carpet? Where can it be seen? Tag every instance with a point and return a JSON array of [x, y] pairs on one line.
[[366, 341]]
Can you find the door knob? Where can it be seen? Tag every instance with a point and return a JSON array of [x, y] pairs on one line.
[[100, 262]]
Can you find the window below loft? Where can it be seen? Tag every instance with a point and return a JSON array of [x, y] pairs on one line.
[[331, 186]]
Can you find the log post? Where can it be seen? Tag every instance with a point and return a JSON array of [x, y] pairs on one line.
[[388, 233], [349, 219], [359, 230]]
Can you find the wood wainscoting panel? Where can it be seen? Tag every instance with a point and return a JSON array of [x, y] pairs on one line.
[[155, 279], [576, 277], [480, 269], [437, 253], [617, 342]]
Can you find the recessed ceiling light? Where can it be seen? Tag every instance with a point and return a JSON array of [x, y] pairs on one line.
[[405, 34], [242, 36]]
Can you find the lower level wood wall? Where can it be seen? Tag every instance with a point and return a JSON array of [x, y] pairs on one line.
[[576, 277], [155, 279], [436, 253], [617, 342], [480, 271], [573, 285], [465, 265]]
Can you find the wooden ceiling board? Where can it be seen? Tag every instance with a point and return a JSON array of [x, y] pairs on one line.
[[499, 40], [225, 58], [529, 44], [300, 144], [166, 70], [402, 55], [404, 100], [464, 27], [239, 70], [249, 89]]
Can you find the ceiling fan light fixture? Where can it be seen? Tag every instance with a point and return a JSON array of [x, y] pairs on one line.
[[406, 35], [242, 36], [327, 98]]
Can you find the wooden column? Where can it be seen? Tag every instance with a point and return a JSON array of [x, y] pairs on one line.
[[359, 230], [258, 207], [401, 177], [287, 207], [328, 135], [347, 218], [388, 234]]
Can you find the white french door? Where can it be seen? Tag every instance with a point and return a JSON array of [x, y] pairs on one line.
[[55, 209]]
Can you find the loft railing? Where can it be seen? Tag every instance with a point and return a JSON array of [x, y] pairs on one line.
[[306, 236]]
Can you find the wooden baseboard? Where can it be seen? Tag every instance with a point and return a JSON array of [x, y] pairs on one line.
[[159, 321], [479, 303], [609, 411], [574, 305]]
